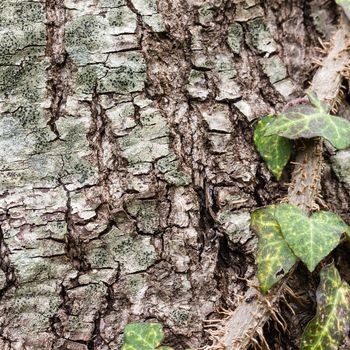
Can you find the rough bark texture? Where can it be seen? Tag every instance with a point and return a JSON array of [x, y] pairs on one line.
[[128, 172]]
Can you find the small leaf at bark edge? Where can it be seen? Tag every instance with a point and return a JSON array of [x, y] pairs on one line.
[[274, 149], [306, 121], [143, 336], [310, 238], [328, 329], [274, 257]]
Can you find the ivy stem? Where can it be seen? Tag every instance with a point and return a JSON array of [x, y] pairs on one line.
[[239, 329]]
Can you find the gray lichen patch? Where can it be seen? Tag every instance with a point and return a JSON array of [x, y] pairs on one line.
[[247, 10], [22, 25], [217, 117], [88, 76], [84, 37], [178, 178], [25, 80], [122, 20], [237, 225], [133, 253], [89, 36], [167, 163], [235, 37], [206, 14], [260, 35], [145, 7], [122, 118], [285, 87], [2, 279], [150, 215], [126, 74], [197, 85], [245, 108], [149, 141], [149, 12], [274, 68], [341, 166]]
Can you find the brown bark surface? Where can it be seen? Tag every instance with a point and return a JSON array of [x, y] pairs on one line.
[[128, 171]]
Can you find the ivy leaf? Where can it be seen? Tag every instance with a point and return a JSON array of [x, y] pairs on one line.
[[143, 336], [310, 238], [274, 257], [330, 326], [308, 121], [275, 150], [345, 4]]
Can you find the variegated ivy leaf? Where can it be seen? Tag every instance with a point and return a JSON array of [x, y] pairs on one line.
[[143, 336], [274, 257], [275, 150], [345, 4], [310, 238], [308, 121], [330, 326]]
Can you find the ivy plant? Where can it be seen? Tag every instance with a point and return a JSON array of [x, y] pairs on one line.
[[144, 336], [311, 120], [273, 134], [288, 234], [330, 325], [274, 149]]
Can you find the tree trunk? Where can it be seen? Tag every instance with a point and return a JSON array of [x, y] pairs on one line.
[[128, 172]]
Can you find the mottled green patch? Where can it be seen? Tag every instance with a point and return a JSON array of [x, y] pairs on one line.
[[88, 76], [177, 178], [85, 40], [330, 326], [274, 149], [260, 35], [143, 336], [121, 248], [310, 238], [180, 316], [235, 37], [84, 32], [147, 214], [25, 81], [206, 14], [122, 19], [274, 257], [122, 81], [167, 163], [308, 121]]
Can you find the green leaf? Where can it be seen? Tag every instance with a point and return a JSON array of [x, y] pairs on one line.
[[274, 257], [275, 150], [310, 238], [307, 121], [143, 336], [345, 4], [330, 326]]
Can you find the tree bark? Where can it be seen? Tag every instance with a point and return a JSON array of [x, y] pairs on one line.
[[128, 172]]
